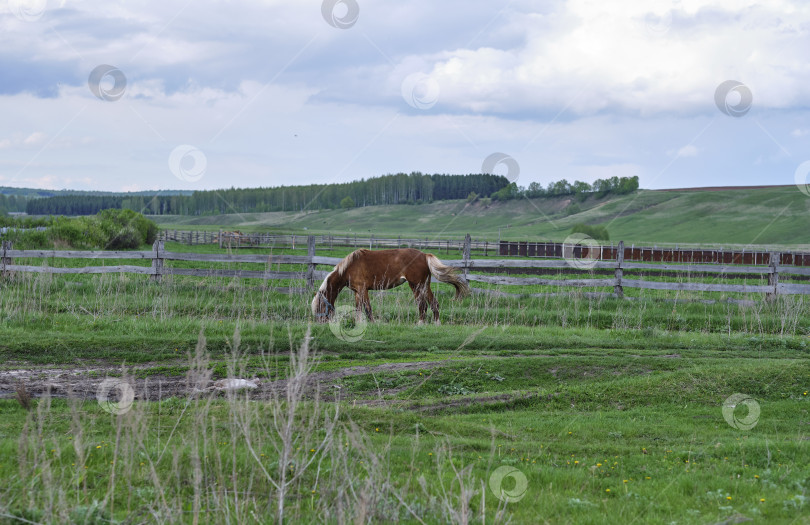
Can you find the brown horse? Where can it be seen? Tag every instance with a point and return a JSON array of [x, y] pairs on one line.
[[364, 270]]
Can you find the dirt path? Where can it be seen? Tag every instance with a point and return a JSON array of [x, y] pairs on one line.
[[84, 383]]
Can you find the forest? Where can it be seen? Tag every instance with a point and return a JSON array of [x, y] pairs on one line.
[[12, 203], [401, 188]]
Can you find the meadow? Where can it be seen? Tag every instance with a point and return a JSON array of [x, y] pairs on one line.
[[762, 216], [562, 408]]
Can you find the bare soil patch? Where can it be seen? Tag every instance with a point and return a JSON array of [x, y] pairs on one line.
[[84, 382]]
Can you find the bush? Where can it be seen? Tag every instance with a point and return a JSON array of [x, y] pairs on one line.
[[126, 228], [109, 229], [599, 233], [506, 193], [128, 238], [28, 239], [81, 232]]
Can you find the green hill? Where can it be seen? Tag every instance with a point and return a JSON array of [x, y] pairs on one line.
[[762, 216]]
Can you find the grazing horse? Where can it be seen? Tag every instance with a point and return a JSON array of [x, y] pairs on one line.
[[364, 270]]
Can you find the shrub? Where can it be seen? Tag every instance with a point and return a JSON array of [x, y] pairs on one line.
[[28, 239], [126, 239], [599, 233], [110, 229], [79, 232], [126, 228]]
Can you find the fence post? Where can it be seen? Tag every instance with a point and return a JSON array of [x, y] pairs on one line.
[[157, 261], [5, 261], [617, 288], [773, 277], [467, 248], [311, 265]]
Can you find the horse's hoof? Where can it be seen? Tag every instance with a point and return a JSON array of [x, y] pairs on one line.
[[438, 323], [420, 322]]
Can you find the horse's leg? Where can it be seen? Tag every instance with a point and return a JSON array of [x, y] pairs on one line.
[[419, 297], [362, 303], [357, 305], [434, 304]]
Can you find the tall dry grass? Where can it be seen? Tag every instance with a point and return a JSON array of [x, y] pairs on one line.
[[291, 457]]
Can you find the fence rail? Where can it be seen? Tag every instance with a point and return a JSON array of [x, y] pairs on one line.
[[551, 250], [239, 240], [312, 275]]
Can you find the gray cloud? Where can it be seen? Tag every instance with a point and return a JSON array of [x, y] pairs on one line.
[[274, 95]]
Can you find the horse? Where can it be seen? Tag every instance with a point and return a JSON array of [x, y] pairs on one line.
[[364, 270]]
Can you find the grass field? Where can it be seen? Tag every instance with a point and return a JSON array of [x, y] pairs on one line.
[[765, 216], [563, 409]]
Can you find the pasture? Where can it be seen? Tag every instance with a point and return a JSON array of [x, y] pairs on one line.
[[554, 409], [729, 217]]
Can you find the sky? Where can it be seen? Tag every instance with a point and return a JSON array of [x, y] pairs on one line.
[[199, 94]]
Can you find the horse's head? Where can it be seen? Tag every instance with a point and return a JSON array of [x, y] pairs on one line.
[[322, 307], [322, 304]]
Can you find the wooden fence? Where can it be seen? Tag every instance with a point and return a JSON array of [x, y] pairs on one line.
[[237, 240], [650, 254], [618, 281]]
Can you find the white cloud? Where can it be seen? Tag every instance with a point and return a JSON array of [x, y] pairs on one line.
[[687, 151], [34, 138], [579, 89], [601, 56]]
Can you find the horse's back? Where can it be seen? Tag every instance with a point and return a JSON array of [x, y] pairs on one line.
[[389, 265]]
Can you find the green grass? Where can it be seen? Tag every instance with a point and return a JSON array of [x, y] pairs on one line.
[[768, 216], [611, 409], [597, 439]]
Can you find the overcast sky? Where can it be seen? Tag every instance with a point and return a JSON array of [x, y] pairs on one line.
[[211, 94]]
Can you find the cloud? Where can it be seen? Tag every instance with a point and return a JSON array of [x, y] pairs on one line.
[[687, 151], [601, 57], [34, 138], [273, 95]]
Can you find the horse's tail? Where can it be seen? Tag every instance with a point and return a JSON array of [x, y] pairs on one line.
[[447, 274]]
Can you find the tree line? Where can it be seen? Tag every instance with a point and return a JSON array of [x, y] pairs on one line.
[[401, 188], [12, 203], [414, 188], [578, 189], [73, 204]]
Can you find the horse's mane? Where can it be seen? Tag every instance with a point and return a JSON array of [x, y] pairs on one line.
[[343, 265]]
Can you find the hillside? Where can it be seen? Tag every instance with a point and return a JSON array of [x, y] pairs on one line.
[[762, 216]]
